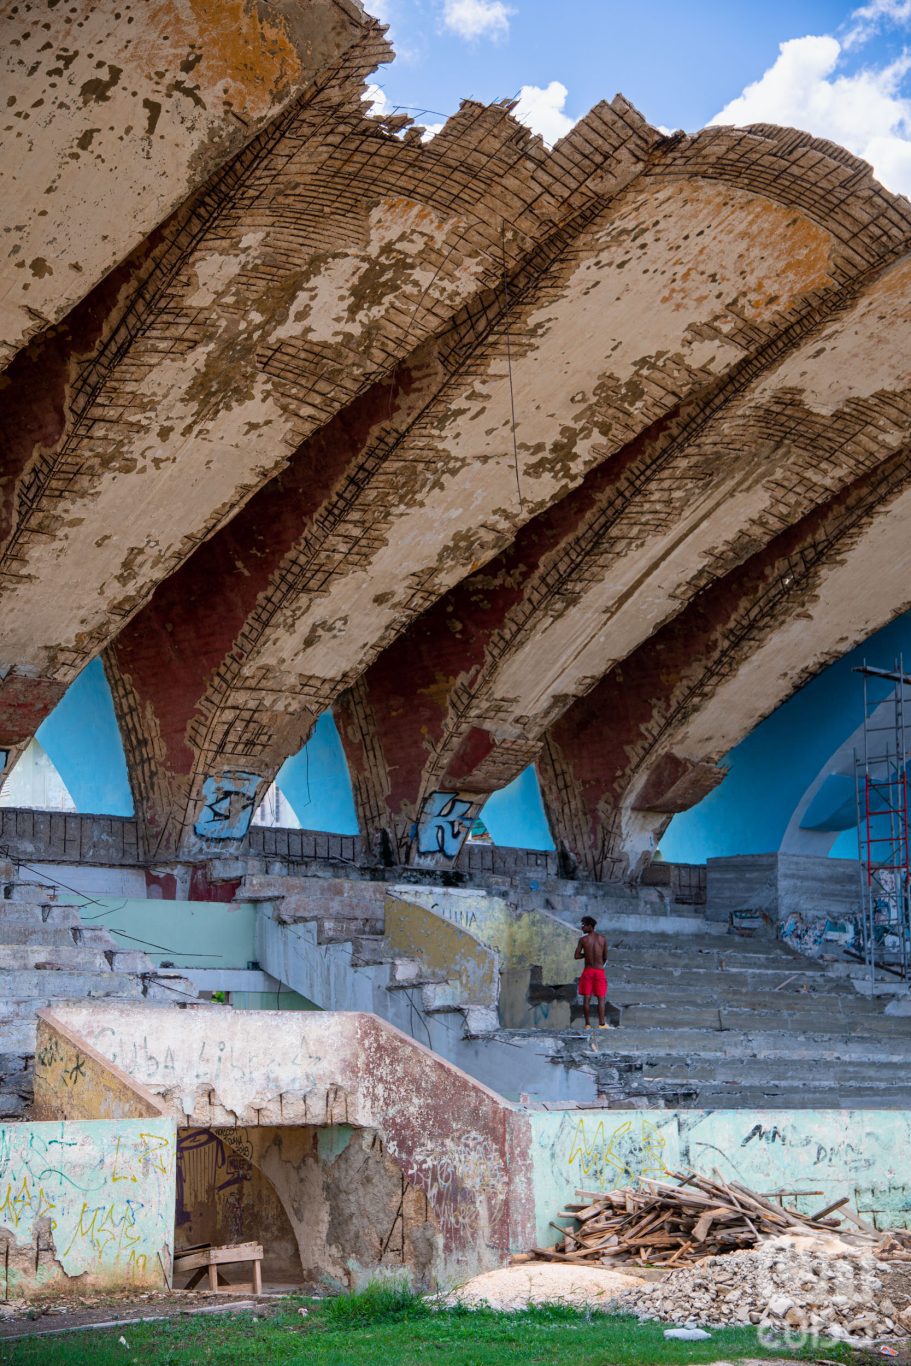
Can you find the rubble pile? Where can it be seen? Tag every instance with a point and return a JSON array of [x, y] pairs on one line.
[[659, 1224], [828, 1289]]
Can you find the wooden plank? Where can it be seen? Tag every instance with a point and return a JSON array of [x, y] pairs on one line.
[[212, 1256], [829, 1209], [856, 1219]]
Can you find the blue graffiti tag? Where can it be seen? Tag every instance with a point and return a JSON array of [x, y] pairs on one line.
[[442, 827], [227, 806]]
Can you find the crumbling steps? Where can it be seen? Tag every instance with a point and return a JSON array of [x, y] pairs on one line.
[[362, 973], [49, 956]]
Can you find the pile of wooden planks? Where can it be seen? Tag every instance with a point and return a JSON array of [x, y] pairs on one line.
[[660, 1224]]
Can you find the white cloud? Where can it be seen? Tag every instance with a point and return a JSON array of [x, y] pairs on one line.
[[477, 18], [376, 100], [542, 110], [864, 22], [865, 111]]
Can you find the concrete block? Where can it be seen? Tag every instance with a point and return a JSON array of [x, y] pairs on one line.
[[36, 933], [437, 996], [27, 913], [45, 957], [481, 1020], [32, 894], [128, 960], [71, 986], [406, 969]]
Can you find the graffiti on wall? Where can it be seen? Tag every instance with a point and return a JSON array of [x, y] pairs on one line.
[[442, 827], [464, 1180], [227, 805], [811, 935], [607, 1156], [862, 1158], [209, 1163], [88, 1198]]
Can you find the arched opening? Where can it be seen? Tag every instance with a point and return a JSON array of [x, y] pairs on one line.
[[76, 761], [515, 816], [329, 1205], [789, 786], [312, 789]]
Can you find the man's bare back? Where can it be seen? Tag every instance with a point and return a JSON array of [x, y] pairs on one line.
[[593, 948]]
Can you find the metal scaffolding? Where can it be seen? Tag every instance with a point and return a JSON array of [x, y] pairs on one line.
[[883, 834]]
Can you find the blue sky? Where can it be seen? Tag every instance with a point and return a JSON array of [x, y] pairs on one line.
[[844, 72]]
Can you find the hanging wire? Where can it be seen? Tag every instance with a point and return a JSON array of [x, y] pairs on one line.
[[48, 880]]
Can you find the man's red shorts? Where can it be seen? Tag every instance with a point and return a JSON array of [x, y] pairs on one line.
[[593, 982]]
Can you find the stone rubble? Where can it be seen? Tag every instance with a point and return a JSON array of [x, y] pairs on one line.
[[826, 1289]]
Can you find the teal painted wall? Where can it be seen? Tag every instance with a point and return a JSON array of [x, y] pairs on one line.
[[859, 1153], [192, 934], [189, 934], [107, 1188]]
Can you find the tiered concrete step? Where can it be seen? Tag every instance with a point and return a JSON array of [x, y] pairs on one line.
[[49, 955], [727, 1021]]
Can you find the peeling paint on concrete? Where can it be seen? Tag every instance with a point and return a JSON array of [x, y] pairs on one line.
[[91, 1201], [216, 1068], [138, 102]]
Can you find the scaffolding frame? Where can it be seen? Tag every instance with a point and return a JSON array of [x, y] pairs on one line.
[[883, 829]]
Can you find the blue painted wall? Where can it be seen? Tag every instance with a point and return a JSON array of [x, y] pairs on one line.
[[771, 769], [317, 784], [82, 740], [515, 816]]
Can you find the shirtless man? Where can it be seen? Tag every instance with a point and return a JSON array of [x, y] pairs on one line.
[[593, 982]]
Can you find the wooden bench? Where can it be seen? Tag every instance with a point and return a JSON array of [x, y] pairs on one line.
[[203, 1260]]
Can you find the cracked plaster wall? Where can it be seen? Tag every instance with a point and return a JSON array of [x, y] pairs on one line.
[[452, 1138], [329, 1205], [91, 1201]]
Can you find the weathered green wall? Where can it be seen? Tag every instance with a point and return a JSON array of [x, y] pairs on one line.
[[443, 947], [864, 1154], [86, 1197], [189, 934], [522, 940]]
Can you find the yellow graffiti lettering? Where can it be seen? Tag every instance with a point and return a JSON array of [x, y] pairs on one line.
[[626, 1151], [25, 1200], [119, 1175], [154, 1147]]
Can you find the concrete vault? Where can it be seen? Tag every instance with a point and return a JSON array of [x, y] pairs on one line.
[[583, 456]]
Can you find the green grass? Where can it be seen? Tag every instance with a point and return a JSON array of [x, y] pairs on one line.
[[385, 1325]]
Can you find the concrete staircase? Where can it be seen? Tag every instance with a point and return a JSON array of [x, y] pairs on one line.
[[48, 955], [342, 962], [709, 1018], [713, 1020]]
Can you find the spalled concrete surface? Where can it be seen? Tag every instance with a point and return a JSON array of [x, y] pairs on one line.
[[451, 1137], [329, 1205], [115, 112], [581, 456]]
